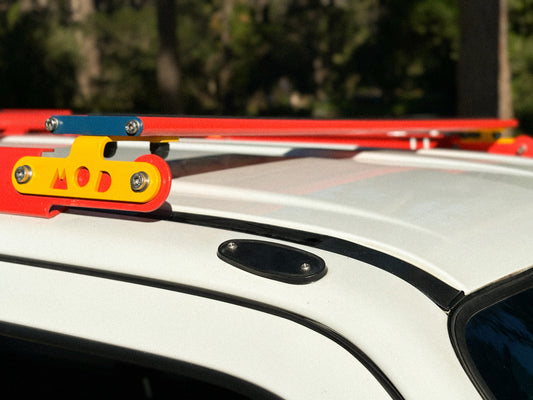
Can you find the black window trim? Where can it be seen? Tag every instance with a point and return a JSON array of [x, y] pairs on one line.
[[439, 292], [135, 357], [474, 303], [442, 294], [316, 326]]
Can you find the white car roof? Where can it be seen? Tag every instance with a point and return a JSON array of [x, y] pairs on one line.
[[443, 221], [463, 217]]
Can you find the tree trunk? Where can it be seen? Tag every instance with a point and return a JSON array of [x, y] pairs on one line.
[[168, 70], [226, 95], [484, 88], [88, 47]]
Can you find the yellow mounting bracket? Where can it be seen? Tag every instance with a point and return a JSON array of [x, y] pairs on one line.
[[86, 174]]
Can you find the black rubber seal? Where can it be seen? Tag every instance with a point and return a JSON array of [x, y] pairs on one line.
[[316, 326], [442, 294], [472, 304]]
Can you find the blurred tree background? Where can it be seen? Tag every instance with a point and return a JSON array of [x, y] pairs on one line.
[[317, 58]]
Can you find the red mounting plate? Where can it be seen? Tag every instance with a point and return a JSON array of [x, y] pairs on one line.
[[13, 202]]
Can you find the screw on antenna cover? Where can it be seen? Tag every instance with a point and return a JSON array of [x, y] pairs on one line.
[[305, 267], [232, 246]]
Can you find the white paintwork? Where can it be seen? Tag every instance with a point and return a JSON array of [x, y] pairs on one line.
[[465, 222], [33, 140], [464, 219], [402, 331], [274, 353], [525, 162]]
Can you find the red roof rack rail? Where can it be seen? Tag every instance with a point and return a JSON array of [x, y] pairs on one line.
[[42, 186]]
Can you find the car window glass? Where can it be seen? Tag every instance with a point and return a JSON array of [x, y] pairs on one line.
[[500, 342], [34, 370]]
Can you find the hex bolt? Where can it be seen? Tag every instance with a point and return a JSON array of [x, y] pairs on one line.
[[132, 127], [139, 181], [232, 246], [23, 174], [305, 267], [51, 124]]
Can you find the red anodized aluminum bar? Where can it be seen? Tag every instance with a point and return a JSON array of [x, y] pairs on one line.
[[21, 121], [394, 134], [398, 134], [208, 126]]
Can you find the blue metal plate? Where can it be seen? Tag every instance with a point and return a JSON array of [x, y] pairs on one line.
[[95, 125]]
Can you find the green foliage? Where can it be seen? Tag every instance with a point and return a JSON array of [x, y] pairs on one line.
[[521, 59], [323, 58], [318, 58], [127, 44], [38, 59], [411, 58]]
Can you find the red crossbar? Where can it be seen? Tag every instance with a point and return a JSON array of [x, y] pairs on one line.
[[208, 126], [21, 121]]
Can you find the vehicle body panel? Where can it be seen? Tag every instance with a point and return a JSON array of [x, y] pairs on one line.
[[133, 280], [407, 332], [461, 225]]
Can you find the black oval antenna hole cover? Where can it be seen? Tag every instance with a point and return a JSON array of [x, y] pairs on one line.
[[273, 260]]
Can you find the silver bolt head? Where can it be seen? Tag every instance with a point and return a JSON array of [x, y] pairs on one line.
[[23, 174], [305, 267], [51, 124], [132, 127], [139, 181], [232, 246]]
